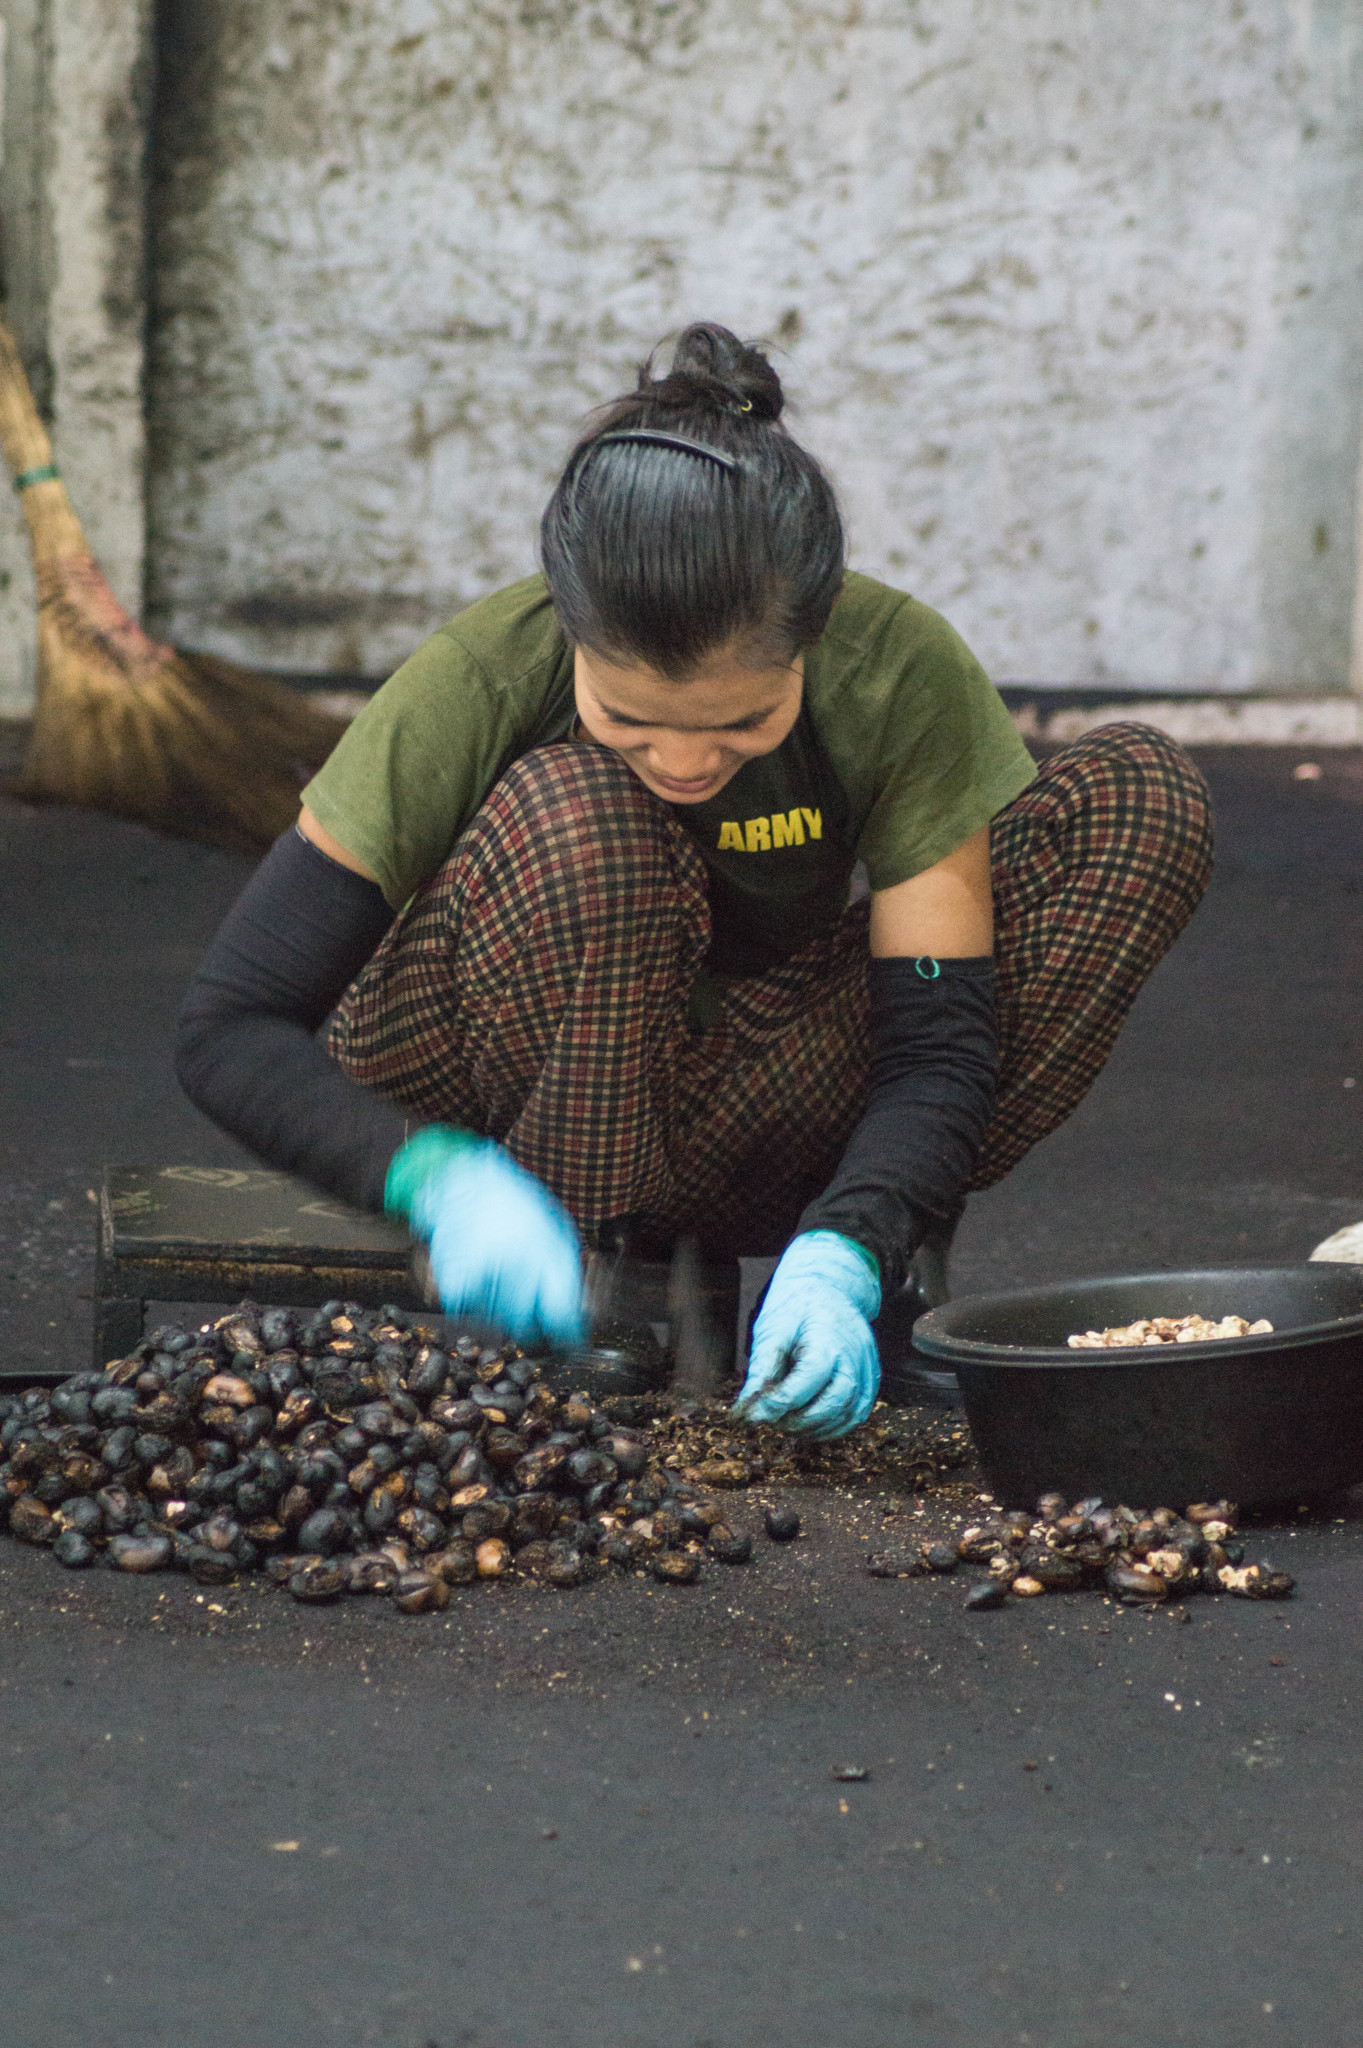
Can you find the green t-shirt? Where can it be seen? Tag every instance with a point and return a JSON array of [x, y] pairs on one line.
[[902, 750]]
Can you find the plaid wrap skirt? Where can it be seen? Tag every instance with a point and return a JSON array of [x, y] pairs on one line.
[[536, 990]]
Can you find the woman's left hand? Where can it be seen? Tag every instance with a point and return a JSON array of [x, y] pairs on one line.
[[502, 1249], [814, 1370]]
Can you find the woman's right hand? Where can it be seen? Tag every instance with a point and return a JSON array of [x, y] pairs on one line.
[[503, 1251], [814, 1369]]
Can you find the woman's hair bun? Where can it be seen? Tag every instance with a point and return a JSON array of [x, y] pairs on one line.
[[656, 554], [712, 368]]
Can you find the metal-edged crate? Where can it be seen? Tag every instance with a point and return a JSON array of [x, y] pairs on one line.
[[223, 1233]]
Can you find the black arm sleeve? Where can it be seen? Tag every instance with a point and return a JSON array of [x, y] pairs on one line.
[[934, 1071], [246, 1050]]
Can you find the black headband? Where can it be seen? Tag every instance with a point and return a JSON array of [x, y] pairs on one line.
[[668, 441]]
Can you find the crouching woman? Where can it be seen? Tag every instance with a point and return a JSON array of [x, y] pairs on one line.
[[578, 878]]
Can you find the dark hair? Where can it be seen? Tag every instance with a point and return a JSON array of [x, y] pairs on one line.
[[660, 554]]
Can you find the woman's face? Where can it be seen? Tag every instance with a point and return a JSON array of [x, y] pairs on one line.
[[684, 741]]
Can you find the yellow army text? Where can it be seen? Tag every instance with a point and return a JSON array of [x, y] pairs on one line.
[[765, 835]]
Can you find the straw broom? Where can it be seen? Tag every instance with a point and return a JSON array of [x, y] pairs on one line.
[[185, 742]]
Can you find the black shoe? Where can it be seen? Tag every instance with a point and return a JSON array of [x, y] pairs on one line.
[[904, 1378]]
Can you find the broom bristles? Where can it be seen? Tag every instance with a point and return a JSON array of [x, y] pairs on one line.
[[186, 742]]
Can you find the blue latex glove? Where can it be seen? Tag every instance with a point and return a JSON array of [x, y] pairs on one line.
[[813, 1369], [502, 1250]]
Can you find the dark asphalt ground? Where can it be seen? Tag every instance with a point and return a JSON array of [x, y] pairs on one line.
[[608, 1817]]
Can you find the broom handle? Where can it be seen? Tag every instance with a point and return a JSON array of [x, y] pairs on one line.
[[53, 527], [22, 433]]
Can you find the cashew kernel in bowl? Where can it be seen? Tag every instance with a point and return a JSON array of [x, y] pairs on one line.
[[1167, 1330]]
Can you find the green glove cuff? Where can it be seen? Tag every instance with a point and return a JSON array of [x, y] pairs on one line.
[[872, 1261], [413, 1164]]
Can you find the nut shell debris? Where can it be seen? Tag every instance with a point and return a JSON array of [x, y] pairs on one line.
[[895, 1564], [346, 1452], [420, 1592], [675, 1567], [352, 1453], [781, 1524], [1256, 1582], [1137, 1557]]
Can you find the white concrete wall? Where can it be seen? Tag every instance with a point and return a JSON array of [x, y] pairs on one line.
[[72, 215], [20, 240], [95, 185], [1072, 292]]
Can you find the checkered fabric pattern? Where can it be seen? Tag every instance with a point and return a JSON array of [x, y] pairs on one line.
[[1097, 867], [536, 989]]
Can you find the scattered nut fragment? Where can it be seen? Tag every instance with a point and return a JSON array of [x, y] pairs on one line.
[[1171, 1565], [209, 1567], [782, 1524], [1137, 1558], [895, 1564], [370, 1572], [1256, 1582], [31, 1521], [1053, 1570], [456, 1564], [1133, 1585], [469, 1496], [493, 1558], [1203, 1511], [563, 1567], [318, 1582], [723, 1472], [675, 1567], [140, 1553], [420, 1592], [231, 1389]]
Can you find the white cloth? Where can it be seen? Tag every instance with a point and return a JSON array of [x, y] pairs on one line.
[[1344, 1248]]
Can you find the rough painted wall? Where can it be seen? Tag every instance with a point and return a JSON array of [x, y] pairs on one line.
[[72, 207], [1071, 291]]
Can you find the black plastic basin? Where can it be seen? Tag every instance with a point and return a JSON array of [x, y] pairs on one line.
[[1248, 1419]]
